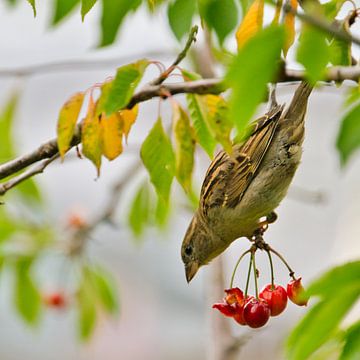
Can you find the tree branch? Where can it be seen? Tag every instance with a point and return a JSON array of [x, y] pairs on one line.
[[77, 242], [204, 86], [322, 25], [26, 175], [77, 65]]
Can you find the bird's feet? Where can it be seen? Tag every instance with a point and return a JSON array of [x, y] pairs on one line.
[[263, 225]]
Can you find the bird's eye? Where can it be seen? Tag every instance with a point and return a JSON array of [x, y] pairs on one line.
[[188, 250]]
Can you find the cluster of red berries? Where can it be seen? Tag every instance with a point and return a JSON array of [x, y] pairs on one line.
[[55, 300], [256, 311]]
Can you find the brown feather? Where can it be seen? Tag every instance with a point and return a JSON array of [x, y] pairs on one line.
[[229, 175]]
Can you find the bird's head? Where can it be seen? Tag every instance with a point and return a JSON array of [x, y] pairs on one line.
[[199, 247]]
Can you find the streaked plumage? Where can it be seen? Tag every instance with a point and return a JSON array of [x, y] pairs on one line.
[[248, 184]]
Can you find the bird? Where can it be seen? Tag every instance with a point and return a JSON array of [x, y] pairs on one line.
[[244, 186]]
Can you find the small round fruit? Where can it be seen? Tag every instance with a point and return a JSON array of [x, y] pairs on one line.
[[256, 313], [295, 292], [239, 314], [55, 300], [276, 298]]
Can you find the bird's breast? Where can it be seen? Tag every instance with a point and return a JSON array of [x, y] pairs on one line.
[[264, 194]]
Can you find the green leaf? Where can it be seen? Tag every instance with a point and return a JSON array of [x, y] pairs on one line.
[[331, 349], [140, 210], [189, 75], [260, 55], [313, 53], [336, 279], [202, 132], [104, 288], [184, 147], [29, 191], [12, 2], [222, 16], [86, 6], [244, 5], [7, 116], [123, 86], [331, 8], [86, 310], [158, 157], [340, 52], [26, 297], [351, 350], [162, 212], [33, 5], [113, 14], [320, 323], [348, 139], [180, 15], [7, 225], [63, 8], [352, 96]]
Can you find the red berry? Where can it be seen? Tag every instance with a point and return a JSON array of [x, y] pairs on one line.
[[234, 295], [276, 298], [295, 292], [256, 312], [55, 300], [239, 314], [76, 221]]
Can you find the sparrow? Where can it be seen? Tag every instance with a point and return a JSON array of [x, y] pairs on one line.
[[247, 184]]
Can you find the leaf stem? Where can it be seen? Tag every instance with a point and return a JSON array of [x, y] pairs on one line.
[[248, 277], [291, 271], [255, 273], [271, 268], [165, 74], [236, 266]]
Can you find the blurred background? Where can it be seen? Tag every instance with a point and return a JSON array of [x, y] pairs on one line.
[[161, 316]]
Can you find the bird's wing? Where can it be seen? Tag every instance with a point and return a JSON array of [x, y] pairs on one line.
[[229, 176]]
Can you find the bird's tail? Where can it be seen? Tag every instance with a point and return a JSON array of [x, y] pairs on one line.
[[297, 108]]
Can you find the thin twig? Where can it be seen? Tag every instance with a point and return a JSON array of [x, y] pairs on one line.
[[179, 58], [79, 238], [76, 65], [322, 25], [37, 169]]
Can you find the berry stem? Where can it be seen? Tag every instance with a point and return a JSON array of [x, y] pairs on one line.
[[291, 271], [255, 273], [248, 276], [236, 266], [271, 268]]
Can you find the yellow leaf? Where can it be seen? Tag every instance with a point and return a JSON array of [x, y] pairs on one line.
[[129, 116], [219, 124], [68, 116], [277, 12], [91, 136], [251, 23], [289, 22], [112, 135]]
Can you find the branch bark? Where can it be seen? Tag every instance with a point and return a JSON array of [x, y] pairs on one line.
[[38, 169], [321, 24], [204, 86]]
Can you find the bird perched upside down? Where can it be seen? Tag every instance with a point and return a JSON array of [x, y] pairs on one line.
[[241, 188]]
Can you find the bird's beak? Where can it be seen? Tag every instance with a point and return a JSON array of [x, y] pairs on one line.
[[190, 270]]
